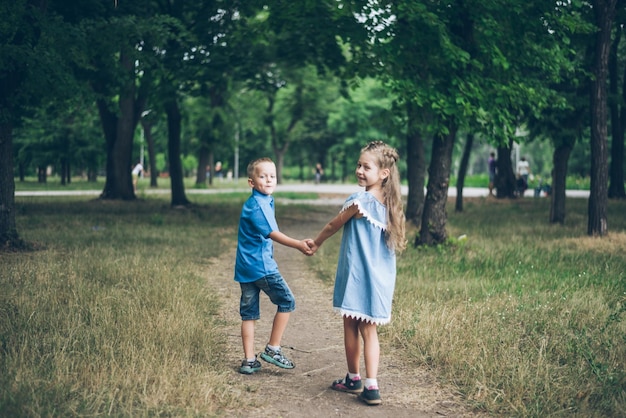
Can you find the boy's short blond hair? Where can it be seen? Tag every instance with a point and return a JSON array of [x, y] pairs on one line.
[[253, 165]]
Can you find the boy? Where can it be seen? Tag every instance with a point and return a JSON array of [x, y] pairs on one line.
[[256, 269]]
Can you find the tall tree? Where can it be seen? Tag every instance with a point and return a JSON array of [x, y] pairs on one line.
[[617, 107], [604, 13], [416, 164], [34, 47]]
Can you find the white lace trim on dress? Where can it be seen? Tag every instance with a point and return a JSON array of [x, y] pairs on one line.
[[362, 317], [365, 213]]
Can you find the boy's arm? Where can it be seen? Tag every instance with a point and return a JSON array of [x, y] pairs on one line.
[[285, 240]]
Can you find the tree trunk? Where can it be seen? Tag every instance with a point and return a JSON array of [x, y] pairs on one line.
[[280, 162], [433, 229], [65, 171], [42, 176], [560, 157], [505, 175], [123, 149], [467, 151], [618, 119], [109, 123], [212, 165], [604, 11], [203, 163], [118, 184], [21, 168], [9, 238], [119, 131], [416, 167], [147, 132], [173, 147]]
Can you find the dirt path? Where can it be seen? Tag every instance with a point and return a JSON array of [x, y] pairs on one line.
[[316, 339]]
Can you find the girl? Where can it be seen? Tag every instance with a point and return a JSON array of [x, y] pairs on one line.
[[373, 222]]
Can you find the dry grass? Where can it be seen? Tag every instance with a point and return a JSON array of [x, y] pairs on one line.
[[112, 316], [525, 317]]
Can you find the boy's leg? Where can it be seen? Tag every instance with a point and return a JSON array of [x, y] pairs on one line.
[[247, 338], [274, 354], [279, 293], [281, 319], [249, 364], [249, 310]]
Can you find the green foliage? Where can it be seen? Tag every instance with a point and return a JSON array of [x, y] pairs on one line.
[[190, 164]]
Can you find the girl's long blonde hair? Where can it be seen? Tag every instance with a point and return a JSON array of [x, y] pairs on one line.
[[387, 157]]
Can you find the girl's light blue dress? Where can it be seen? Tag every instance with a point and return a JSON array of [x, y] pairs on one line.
[[366, 271]]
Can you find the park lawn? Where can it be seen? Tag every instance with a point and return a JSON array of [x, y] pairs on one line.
[[112, 315]]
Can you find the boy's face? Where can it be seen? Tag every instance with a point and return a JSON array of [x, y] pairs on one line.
[[264, 178]]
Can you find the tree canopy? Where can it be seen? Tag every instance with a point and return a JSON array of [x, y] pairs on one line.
[[308, 82]]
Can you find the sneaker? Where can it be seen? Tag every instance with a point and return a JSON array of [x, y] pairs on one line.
[[348, 385], [277, 358], [371, 396], [249, 367]]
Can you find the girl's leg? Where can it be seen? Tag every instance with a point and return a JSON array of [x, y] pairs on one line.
[[371, 348], [352, 344]]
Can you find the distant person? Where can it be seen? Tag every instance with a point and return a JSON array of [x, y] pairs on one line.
[[256, 269], [219, 174], [491, 165], [319, 172], [523, 171], [137, 172], [373, 230]]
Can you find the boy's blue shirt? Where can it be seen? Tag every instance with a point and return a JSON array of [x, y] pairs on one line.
[[255, 250]]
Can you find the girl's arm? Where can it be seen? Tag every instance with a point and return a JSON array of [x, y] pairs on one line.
[[335, 225], [285, 240]]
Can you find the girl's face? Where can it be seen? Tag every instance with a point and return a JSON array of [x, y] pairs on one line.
[[264, 178], [368, 173]]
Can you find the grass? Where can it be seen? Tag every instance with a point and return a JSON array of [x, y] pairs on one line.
[[112, 314], [524, 318]]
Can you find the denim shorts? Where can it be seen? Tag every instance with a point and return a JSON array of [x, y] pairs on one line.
[[275, 287]]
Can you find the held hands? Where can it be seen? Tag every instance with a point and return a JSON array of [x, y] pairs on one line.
[[307, 246], [312, 245], [304, 247]]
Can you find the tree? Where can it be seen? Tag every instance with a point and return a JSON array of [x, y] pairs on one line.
[[467, 149], [617, 107], [34, 48], [416, 163], [471, 68], [604, 12]]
